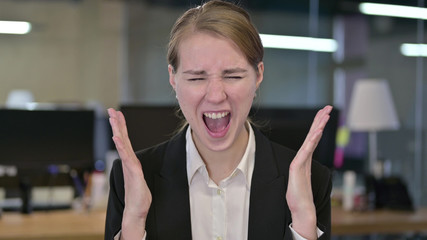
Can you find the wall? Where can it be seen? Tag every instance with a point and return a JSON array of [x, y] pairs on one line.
[[149, 28], [73, 53]]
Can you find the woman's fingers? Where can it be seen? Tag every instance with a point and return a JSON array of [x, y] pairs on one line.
[[114, 122], [122, 124], [314, 135], [320, 119], [120, 135]]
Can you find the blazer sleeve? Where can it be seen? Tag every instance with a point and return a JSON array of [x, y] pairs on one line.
[[322, 187], [116, 204]]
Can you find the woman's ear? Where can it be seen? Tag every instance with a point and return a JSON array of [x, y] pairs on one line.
[[260, 74], [172, 76]]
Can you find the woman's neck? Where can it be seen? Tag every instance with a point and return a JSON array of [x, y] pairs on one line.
[[220, 164]]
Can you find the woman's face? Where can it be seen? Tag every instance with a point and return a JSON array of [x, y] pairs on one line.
[[215, 86]]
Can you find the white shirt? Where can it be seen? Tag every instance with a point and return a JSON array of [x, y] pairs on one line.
[[221, 212]]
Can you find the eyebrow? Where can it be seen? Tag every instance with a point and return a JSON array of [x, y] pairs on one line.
[[227, 71], [234, 70], [195, 72]]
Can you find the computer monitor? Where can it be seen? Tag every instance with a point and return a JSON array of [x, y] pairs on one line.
[[150, 125], [290, 126], [32, 140], [48, 147]]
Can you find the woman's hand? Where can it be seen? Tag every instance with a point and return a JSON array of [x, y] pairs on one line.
[[299, 195], [137, 193]]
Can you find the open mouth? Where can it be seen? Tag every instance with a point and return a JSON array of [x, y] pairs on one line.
[[216, 122]]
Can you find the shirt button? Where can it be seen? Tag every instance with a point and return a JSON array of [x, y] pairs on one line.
[[218, 191], [218, 238]]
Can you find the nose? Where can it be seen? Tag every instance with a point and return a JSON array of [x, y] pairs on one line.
[[215, 92]]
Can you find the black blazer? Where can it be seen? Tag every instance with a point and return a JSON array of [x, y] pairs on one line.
[[165, 171]]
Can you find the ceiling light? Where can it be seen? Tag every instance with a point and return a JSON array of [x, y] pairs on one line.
[[413, 50], [393, 10], [14, 27], [299, 43]]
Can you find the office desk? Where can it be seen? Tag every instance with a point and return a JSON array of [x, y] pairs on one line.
[[53, 225], [67, 224], [381, 222]]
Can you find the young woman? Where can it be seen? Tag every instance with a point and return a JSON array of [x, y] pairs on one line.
[[219, 178]]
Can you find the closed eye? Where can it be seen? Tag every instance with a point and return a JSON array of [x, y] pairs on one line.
[[233, 77], [196, 79]]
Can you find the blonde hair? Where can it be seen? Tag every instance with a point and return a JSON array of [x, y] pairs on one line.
[[223, 18]]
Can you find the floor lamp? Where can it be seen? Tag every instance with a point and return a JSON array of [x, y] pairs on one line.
[[372, 110]]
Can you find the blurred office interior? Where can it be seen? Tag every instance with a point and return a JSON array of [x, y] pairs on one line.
[[112, 53]]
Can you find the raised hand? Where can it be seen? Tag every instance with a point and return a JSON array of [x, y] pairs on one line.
[[137, 194], [299, 195]]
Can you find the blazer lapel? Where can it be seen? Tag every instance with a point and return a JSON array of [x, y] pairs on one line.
[[268, 211], [171, 197]]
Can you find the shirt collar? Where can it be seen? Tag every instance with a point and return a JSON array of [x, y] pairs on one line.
[[246, 164]]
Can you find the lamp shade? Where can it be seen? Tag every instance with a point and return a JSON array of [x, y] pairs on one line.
[[371, 107]]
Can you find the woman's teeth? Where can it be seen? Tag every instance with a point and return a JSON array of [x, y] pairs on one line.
[[216, 115]]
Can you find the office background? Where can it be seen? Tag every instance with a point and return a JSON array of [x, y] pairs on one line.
[[111, 52]]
